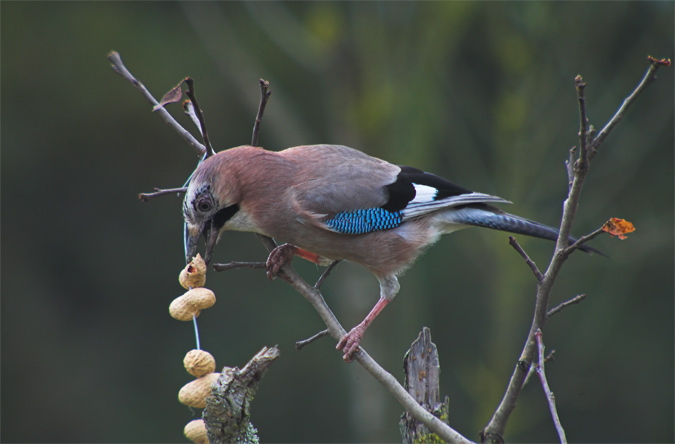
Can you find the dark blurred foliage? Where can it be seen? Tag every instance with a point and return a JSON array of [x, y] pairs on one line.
[[479, 92]]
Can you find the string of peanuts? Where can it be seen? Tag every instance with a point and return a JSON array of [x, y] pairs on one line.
[[199, 363]]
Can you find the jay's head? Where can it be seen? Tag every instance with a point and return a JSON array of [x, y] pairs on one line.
[[210, 202]]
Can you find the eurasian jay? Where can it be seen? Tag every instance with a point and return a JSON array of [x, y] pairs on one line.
[[331, 202]]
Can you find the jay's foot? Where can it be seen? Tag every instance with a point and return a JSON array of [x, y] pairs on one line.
[[278, 257], [349, 343]]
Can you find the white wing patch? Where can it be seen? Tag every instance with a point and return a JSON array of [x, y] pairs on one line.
[[417, 208], [423, 194]]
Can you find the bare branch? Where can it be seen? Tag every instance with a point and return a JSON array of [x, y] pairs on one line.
[[144, 197], [583, 120], [580, 168], [569, 166], [314, 297], [575, 300], [325, 274], [497, 424], [550, 398], [233, 265], [582, 240], [200, 116], [649, 77], [549, 357], [264, 97], [514, 243], [300, 344], [122, 70]]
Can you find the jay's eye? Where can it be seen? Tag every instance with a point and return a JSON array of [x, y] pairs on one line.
[[204, 204]]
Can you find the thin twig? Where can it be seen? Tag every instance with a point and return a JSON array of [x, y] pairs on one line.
[[264, 97], [582, 240], [580, 168], [265, 93], [649, 77], [300, 344], [549, 357], [120, 69], [550, 398], [569, 166], [575, 300], [200, 116], [583, 120], [144, 197], [233, 265], [514, 243], [325, 274]]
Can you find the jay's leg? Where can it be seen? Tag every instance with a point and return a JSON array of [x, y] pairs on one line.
[[349, 344], [284, 254]]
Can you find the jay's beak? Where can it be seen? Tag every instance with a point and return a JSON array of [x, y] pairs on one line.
[[191, 235]]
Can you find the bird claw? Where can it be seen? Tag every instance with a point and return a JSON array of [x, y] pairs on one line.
[[278, 258], [350, 342]]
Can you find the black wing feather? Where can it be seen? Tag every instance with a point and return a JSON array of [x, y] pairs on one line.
[[402, 191]]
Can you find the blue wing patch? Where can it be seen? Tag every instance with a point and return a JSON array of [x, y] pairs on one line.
[[365, 221]]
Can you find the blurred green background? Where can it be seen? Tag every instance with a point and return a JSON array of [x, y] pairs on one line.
[[479, 92]]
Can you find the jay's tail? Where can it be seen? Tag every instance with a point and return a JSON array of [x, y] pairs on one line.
[[487, 216]]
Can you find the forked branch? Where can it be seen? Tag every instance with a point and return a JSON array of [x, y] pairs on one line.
[[122, 70], [577, 170]]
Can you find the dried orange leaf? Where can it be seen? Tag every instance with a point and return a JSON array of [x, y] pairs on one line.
[[618, 227], [172, 96]]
